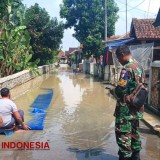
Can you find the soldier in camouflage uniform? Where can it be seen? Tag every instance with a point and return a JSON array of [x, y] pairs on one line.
[[127, 117]]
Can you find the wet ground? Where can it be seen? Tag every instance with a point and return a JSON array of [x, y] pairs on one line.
[[79, 124]]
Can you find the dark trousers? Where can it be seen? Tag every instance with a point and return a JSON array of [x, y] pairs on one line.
[[14, 120]]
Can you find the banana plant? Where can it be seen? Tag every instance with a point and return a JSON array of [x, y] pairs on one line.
[[15, 49]]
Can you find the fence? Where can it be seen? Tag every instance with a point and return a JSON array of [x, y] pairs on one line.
[[154, 94]]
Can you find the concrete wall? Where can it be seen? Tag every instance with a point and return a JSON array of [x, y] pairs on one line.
[[23, 76], [93, 69], [107, 73]]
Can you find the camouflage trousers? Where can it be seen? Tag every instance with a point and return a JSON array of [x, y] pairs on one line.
[[127, 137]]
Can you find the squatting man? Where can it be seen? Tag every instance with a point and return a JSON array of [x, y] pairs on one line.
[[10, 116]]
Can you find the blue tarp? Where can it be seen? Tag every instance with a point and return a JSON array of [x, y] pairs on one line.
[[43, 100], [117, 43], [107, 56], [38, 116], [40, 105]]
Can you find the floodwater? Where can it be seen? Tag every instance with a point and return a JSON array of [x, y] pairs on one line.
[[79, 124]]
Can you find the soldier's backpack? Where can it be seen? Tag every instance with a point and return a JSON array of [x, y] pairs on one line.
[[139, 95]]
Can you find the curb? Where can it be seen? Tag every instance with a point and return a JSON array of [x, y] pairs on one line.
[[151, 127], [152, 119]]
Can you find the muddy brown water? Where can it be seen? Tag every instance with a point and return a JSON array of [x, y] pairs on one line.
[[79, 124]]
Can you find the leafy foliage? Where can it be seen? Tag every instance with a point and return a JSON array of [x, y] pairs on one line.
[[87, 18], [12, 11], [46, 34], [27, 37], [15, 49]]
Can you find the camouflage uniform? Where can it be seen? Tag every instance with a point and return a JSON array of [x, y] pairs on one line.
[[127, 117]]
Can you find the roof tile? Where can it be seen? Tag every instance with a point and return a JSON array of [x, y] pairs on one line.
[[144, 29]]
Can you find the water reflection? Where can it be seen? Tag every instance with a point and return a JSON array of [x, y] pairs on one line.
[[92, 154], [88, 121], [72, 92]]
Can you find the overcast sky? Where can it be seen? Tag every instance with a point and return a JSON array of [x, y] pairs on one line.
[[136, 9]]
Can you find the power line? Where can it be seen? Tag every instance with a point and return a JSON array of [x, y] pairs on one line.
[[130, 1], [148, 7], [134, 7]]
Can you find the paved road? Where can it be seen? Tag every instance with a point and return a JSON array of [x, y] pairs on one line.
[[79, 124]]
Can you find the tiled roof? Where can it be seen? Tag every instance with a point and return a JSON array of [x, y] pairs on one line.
[[72, 49], [61, 54], [144, 29], [117, 37], [125, 35], [113, 37]]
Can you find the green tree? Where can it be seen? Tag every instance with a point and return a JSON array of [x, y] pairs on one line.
[[15, 50], [13, 11], [46, 34], [87, 18]]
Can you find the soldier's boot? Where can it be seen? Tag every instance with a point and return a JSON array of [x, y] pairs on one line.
[[135, 155]]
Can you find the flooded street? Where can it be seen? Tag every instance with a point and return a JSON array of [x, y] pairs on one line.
[[79, 124]]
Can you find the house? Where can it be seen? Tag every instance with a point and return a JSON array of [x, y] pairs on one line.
[[73, 50], [110, 63], [75, 54], [113, 42], [61, 57], [143, 31]]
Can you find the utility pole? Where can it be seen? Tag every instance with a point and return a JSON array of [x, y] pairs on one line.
[[126, 17], [105, 21]]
